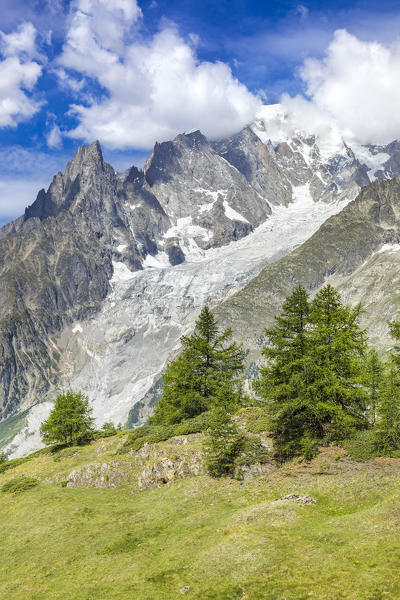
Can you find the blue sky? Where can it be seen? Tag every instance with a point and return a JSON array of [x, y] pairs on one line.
[[130, 73]]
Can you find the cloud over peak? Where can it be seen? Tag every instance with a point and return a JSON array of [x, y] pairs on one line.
[[354, 88], [151, 89]]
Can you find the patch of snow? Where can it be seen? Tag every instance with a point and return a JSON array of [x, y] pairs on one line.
[[185, 231], [389, 248], [121, 273], [77, 327], [374, 162], [121, 247], [206, 207], [29, 439], [159, 261], [211, 193], [232, 214]]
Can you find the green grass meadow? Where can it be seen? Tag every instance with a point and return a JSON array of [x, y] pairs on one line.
[[224, 539]]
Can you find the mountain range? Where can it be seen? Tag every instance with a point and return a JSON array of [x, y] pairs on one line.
[[105, 271]]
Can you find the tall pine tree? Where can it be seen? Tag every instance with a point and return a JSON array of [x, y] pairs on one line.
[[205, 374], [312, 379], [285, 380], [338, 348]]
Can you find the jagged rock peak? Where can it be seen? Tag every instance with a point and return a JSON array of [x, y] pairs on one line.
[[193, 139], [89, 153]]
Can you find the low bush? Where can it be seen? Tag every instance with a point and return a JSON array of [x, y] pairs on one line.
[[19, 484], [253, 452], [222, 445], [362, 445], [151, 434], [256, 419]]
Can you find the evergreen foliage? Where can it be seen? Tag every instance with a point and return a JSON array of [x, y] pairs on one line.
[[69, 421], [373, 377], [388, 424], [19, 485], [222, 444], [312, 382], [388, 412], [206, 374]]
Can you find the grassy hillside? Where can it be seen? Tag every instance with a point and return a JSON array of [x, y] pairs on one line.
[[222, 539]]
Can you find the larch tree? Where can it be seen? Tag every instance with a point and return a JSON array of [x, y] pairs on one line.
[[207, 373]]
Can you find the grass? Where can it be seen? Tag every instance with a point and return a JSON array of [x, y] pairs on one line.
[[224, 539]]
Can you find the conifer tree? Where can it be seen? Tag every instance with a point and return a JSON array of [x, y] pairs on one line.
[[286, 378], [338, 348], [312, 380], [388, 422], [70, 421], [205, 374]]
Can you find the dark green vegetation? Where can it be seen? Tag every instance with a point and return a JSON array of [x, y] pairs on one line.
[[19, 484], [205, 374], [150, 434], [312, 380], [70, 421], [223, 444]]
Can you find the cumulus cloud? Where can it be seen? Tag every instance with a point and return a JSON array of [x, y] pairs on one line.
[[54, 137], [18, 75], [153, 89], [354, 89]]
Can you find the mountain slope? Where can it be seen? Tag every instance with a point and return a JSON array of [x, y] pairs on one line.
[[357, 251], [105, 271]]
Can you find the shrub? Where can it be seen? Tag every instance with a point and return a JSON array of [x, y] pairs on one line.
[[253, 452], [222, 445], [362, 445], [256, 419], [151, 434], [19, 484], [309, 447]]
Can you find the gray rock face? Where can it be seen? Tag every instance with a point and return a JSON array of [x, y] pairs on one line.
[[104, 271], [357, 251]]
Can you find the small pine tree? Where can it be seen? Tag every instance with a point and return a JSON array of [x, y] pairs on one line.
[[3, 457], [69, 421], [205, 374], [222, 445]]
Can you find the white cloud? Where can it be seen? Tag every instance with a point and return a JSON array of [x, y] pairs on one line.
[[354, 89], [54, 137], [18, 75], [154, 89]]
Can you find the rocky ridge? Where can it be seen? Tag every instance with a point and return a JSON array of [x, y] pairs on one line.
[[103, 267]]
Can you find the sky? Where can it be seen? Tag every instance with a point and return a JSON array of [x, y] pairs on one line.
[[133, 72]]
